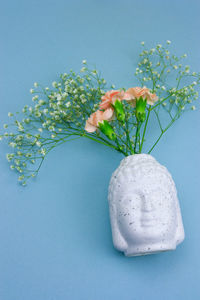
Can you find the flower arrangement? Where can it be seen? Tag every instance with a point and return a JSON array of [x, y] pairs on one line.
[[81, 105]]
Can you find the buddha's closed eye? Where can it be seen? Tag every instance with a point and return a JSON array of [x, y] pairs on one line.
[[159, 195], [133, 198]]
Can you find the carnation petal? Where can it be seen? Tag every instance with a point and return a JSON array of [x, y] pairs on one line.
[[89, 127], [108, 114]]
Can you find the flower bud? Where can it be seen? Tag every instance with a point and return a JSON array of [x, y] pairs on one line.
[[107, 129], [119, 110], [140, 109]]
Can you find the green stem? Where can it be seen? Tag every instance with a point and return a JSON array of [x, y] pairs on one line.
[[128, 136], [160, 102], [145, 128], [120, 150], [42, 159], [159, 122], [164, 130], [137, 135], [98, 141]]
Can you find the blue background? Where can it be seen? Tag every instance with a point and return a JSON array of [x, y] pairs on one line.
[[55, 237]]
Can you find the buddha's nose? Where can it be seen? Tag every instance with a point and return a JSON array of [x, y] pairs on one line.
[[147, 205]]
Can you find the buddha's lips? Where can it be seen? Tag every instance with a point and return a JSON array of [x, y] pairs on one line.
[[147, 222]]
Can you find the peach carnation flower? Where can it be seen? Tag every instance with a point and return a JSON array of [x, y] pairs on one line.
[[110, 97], [135, 93], [98, 116]]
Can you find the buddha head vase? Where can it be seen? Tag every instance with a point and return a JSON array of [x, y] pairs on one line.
[[144, 209]]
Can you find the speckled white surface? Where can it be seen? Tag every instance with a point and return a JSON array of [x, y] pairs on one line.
[[144, 209]]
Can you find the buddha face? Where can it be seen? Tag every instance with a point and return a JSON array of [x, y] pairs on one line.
[[146, 209]]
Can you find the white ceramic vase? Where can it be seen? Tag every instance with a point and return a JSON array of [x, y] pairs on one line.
[[144, 209]]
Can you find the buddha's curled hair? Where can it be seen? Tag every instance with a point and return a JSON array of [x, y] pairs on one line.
[[136, 165]]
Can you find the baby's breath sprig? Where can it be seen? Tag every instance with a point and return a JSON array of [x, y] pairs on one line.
[[57, 115], [172, 81]]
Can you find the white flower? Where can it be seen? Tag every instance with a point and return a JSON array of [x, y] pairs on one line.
[[35, 84], [41, 102], [45, 111], [59, 97], [35, 98], [43, 151], [51, 128], [31, 91], [142, 43], [193, 107], [168, 42], [10, 114], [83, 69], [12, 144], [64, 94], [8, 157], [84, 62], [68, 104], [20, 178], [54, 84], [39, 144]]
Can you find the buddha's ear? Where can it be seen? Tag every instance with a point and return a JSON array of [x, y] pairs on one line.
[[118, 240], [180, 234]]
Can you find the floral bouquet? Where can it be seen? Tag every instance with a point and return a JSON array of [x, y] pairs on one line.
[[144, 209]]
